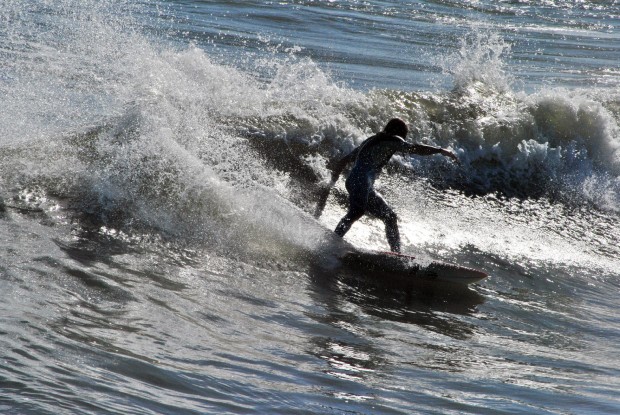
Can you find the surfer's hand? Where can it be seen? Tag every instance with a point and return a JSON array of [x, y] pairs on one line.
[[450, 154], [335, 175]]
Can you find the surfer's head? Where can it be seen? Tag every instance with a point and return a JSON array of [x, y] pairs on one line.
[[396, 126]]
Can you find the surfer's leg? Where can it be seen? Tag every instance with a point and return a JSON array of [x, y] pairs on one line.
[[347, 221], [380, 209], [358, 199]]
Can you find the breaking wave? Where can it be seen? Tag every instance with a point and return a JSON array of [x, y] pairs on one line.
[[134, 131]]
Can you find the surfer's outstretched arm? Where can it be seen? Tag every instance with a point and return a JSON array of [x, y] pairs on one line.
[[424, 150]]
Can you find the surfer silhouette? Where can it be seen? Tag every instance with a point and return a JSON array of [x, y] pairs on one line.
[[369, 158]]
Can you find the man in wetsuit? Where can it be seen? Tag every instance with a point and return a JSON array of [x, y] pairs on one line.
[[369, 158]]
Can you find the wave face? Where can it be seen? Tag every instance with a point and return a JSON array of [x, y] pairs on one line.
[[156, 134]]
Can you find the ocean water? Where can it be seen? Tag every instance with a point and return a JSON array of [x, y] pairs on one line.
[[160, 163]]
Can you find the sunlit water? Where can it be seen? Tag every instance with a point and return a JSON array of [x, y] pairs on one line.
[[161, 161]]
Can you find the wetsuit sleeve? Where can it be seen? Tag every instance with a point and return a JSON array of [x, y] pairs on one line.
[[343, 162], [349, 158], [340, 165], [424, 150]]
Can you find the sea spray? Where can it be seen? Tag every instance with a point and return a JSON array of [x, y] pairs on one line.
[[480, 61], [146, 134], [542, 144]]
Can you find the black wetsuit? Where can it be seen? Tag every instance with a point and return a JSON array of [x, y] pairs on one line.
[[370, 157]]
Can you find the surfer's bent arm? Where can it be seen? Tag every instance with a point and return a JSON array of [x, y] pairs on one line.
[[424, 150], [342, 163], [337, 169]]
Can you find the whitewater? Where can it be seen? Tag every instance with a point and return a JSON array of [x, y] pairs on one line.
[[161, 161]]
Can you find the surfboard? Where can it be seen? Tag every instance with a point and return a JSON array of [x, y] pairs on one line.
[[406, 269]]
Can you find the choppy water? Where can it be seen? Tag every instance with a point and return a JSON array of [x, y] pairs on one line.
[[160, 161]]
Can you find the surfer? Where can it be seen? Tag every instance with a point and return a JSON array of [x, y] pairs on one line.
[[369, 158]]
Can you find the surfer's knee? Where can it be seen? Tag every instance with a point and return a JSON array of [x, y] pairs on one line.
[[342, 229], [354, 213], [345, 223], [343, 226]]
